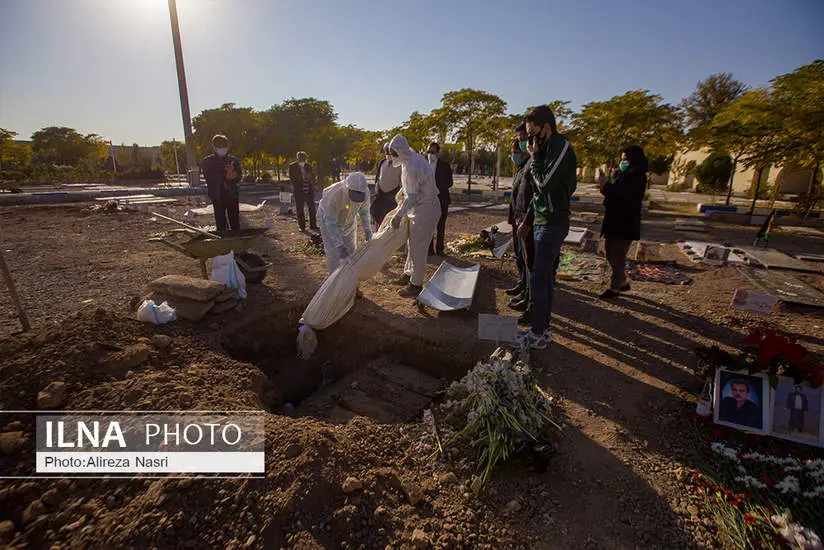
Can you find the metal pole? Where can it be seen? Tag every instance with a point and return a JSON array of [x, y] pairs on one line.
[[15, 299], [114, 158], [177, 165], [194, 177], [497, 184]]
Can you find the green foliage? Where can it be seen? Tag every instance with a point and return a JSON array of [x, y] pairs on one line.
[[473, 117], [711, 96], [61, 146], [796, 101], [678, 187], [764, 188], [167, 157], [602, 128], [660, 164], [141, 173], [714, 173]]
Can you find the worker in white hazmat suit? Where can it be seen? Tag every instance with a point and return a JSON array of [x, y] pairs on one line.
[[421, 205], [340, 205]]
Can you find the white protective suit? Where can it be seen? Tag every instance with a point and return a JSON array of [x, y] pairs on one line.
[[337, 216], [420, 204]]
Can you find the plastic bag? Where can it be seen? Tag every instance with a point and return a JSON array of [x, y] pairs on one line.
[[149, 312], [226, 271]]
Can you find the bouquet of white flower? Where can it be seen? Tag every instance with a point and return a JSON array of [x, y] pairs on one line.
[[497, 406]]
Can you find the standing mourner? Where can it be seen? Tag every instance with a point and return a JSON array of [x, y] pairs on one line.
[[303, 187], [222, 173], [335, 169], [422, 207], [340, 206], [443, 179], [519, 206], [554, 168], [623, 195], [387, 185]]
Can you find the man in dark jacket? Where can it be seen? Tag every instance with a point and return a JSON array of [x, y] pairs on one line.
[[554, 169], [519, 206], [387, 185], [443, 179], [303, 187], [222, 173], [623, 195], [737, 407]]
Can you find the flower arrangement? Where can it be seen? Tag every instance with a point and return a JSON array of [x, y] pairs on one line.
[[495, 408], [765, 351]]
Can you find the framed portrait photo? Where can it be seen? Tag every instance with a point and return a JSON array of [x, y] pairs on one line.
[[742, 401], [796, 412]]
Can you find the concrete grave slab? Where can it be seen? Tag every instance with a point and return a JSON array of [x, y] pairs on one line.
[[451, 288], [770, 258]]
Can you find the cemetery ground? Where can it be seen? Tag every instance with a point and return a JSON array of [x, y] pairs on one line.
[[622, 372]]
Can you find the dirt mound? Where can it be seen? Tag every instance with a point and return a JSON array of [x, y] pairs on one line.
[[395, 495]]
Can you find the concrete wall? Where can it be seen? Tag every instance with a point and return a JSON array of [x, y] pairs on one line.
[[792, 180]]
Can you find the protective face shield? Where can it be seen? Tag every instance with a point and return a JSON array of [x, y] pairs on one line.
[[357, 196], [517, 158], [432, 157], [222, 151]]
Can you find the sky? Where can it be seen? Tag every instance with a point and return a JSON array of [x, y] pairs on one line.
[[107, 66]]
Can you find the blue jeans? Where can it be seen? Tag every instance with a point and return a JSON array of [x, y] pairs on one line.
[[548, 241]]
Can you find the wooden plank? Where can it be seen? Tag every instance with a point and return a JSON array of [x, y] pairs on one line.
[[411, 379], [15, 299], [124, 197], [149, 201], [381, 411]]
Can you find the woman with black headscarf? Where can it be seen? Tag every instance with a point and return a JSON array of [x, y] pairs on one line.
[[623, 195]]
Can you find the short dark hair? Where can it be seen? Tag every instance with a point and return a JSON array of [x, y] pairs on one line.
[[516, 145], [521, 127], [740, 382], [434, 145], [541, 115], [219, 138]]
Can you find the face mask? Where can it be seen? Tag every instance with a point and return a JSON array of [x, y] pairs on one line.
[[522, 145], [517, 158], [432, 157], [357, 196], [222, 151], [623, 165]]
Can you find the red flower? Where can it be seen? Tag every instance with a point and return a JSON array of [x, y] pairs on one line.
[[719, 432], [795, 353], [768, 480], [769, 349], [749, 519], [754, 338], [817, 379]]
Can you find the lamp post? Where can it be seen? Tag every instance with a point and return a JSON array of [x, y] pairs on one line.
[[193, 175]]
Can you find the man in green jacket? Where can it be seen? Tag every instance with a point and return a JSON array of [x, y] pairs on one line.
[[554, 169]]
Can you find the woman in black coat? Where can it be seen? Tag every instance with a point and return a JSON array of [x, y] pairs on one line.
[[623, 195]]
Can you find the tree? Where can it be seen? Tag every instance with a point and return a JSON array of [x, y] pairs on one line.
[[6, 142], [167, 157], [231, 121], [62, 146], [637, 117], [745, 129], [473, 117], [714, 173], [708, 100], [796, 100]]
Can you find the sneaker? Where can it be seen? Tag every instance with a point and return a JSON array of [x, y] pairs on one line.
[[548, 335], [608, 293], [515, 290], [624, 288], [534, 341], [410, 291], [519, 305], [403, 280]]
